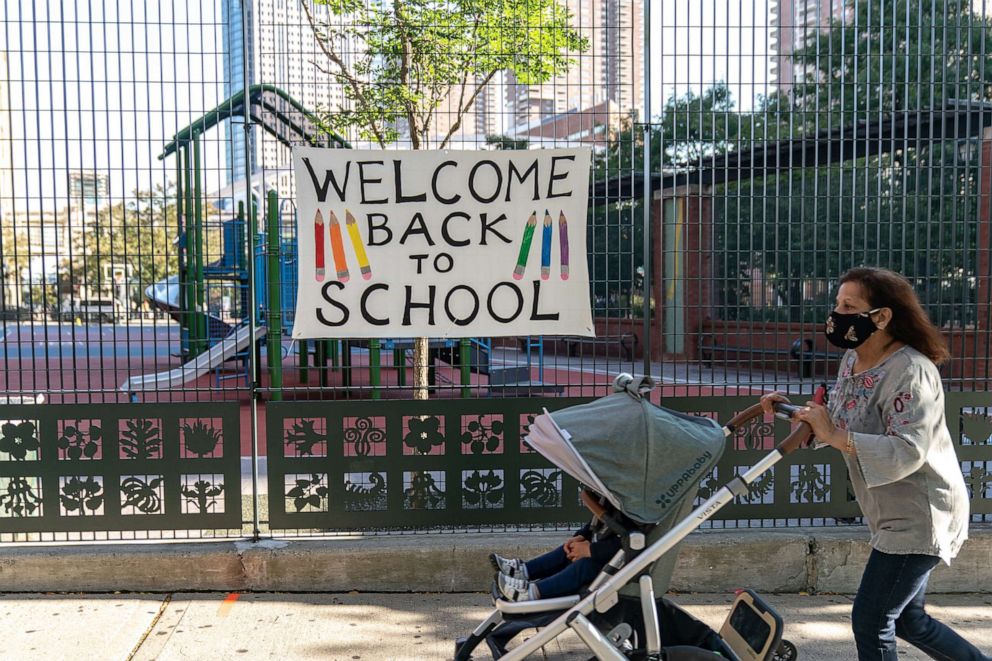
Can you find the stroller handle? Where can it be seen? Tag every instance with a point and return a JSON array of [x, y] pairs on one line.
[[797, 438], [785, 411]]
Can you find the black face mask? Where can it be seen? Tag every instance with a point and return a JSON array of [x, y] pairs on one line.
[[849, 331]]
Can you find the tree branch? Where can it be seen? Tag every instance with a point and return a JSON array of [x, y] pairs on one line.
[[461, 111], [404, 35], [356, 85]]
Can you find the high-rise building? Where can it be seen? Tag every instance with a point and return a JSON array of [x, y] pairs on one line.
[[482, 119], [611, 70], [234, 73], [796, 24], [87, 187], [282, 51]]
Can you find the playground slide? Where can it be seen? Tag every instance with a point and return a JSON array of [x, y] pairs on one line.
[[165, 296], [194, 369]]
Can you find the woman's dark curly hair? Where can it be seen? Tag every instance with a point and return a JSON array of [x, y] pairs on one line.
[[910, 323]]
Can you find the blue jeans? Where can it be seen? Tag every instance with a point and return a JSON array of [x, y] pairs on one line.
[[890, 603], [555, 576]]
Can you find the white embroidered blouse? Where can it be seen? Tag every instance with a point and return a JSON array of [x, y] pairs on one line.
[[905, 473]]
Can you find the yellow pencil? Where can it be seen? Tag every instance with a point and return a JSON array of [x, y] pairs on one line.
[[356, 242]]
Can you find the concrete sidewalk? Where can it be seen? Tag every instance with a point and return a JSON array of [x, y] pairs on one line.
[[350, 626]]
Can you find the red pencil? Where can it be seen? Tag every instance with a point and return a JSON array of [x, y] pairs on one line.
[[318, 245]]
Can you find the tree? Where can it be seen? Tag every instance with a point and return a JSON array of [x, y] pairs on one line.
[[690, 127], [893, 55], [504, 142], [14, 259], [913, 208], [399, 61], [138, 233]]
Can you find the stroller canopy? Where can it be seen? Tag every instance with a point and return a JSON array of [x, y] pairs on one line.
[[643, 458]]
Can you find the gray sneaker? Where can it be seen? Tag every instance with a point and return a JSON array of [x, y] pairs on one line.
[[516, 589], [512, 567]]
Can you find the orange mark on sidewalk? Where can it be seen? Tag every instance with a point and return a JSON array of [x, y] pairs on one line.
[[227, 604]]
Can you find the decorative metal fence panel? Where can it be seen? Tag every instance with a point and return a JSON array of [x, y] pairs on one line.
[[77, 468], [398, 464], [377, 466], [366, 465]]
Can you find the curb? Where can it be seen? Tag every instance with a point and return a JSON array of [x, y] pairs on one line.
[[794, 560]]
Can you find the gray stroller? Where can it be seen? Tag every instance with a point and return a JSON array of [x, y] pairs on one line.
[[651, 482]]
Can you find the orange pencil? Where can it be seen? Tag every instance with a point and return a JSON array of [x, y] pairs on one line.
[[337, 249]]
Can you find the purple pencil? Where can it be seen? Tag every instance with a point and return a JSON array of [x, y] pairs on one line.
[[563, 239]]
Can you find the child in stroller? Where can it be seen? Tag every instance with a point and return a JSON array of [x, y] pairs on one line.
[[566, 569]]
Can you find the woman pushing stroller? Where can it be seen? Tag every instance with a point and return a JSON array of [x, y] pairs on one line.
[[886, 416]]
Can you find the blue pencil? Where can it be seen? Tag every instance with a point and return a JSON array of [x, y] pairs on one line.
[[546, 247]]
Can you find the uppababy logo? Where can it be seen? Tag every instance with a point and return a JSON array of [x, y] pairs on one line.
[[668, 497]]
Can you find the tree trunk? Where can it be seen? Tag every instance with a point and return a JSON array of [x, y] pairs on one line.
[[421, 357]]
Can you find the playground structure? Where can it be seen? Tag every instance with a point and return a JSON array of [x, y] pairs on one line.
[[208, 338]]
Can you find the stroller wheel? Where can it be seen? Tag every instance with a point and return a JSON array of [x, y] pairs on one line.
[[786, 651]]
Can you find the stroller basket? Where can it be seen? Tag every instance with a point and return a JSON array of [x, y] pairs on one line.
[[646, 461]]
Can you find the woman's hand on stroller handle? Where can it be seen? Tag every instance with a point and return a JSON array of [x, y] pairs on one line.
[[785, 411], [779, 405]]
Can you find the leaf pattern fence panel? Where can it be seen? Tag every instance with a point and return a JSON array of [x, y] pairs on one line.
[[969, 417], [807, 484], [120, 467], [412, 464]]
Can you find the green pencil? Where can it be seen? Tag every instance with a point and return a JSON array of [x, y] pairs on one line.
[[518, 271]]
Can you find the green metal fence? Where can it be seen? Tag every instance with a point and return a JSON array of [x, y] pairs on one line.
[[70, 472], [744, 154]]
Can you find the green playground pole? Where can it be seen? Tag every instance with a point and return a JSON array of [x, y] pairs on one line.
[[399, 362], [185, 299], [320, 362], [199, 284], [346, 379], [275, 299], [240, 261], [375, 368], [465, 354], [304, 359], [193, 327]]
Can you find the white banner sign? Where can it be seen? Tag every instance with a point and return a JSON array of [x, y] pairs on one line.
[[441, 244]]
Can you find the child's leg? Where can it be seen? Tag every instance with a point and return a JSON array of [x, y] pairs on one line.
[[569, 580], [548, 564]]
